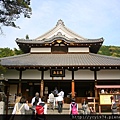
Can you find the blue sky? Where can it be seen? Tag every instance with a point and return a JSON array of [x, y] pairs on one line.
[[89, 18]]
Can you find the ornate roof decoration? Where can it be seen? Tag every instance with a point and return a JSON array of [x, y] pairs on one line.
[[60, 27], [60, 22]]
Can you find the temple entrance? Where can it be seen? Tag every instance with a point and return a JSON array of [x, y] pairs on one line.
[[29, 89], [82, 88], [64, 85]]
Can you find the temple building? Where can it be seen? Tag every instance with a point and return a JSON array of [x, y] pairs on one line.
[[63, 59]]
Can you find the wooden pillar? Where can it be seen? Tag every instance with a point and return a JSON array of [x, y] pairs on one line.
[[96, 93], [73, 85], [73, 88], [42, 84], [20, 77], [99, 109], [41, 88], [95, 78], [94, 104]]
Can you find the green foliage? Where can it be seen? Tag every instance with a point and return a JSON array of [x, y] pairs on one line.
[[17, 52], [104, 50], [110, 51], [27, 36], [11, 10], [2, 69], [6, 52]]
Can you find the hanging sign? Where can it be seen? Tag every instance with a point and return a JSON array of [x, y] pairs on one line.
[[57, 73]]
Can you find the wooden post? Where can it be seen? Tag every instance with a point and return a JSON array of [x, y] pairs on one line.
[[19, 90], [20, 77], [95, 78], [42, 84], [99, 109], [73, 89], [94, 104], [96, 93], [41, 88], [73, 85]]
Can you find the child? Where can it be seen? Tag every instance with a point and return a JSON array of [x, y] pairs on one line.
[[72, 106]]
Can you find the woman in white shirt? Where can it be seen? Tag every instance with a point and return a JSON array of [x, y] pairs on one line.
[[19, 104]]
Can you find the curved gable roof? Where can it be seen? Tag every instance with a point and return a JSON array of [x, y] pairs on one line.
[[60, 27], [63, 33]]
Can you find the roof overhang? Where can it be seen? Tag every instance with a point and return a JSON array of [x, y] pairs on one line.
[[93, 44]]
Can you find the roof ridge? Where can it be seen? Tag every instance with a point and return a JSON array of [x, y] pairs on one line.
[[15, 56], [99, 55]]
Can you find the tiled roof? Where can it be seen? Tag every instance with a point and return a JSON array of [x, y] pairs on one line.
[[60, 60], [23, 41]]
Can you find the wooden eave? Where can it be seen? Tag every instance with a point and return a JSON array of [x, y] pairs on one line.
[[26, 45], [74, 68]]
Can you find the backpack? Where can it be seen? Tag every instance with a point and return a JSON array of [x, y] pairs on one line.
[[74, 110], [18, 111], [40, 109]]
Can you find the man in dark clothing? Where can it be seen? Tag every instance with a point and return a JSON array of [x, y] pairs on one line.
[[55, 92]]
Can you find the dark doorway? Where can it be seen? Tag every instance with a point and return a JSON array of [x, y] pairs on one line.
[[84, 88], [64, 85], [29, 89]]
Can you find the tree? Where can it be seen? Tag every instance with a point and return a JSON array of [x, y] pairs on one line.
[[11, 10], [2, 69], [5, 52], [17, 52], [27, 36]]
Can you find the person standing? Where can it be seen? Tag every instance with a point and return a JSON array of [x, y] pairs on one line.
[[43, 104], [36, 96], [60, 103], [55, 92], [34, 102], [72, 105], [113, 106], [42, 115], [21, 106], [18, 97], [61, 93], [25, 107], [51, 100], [85, 107]]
